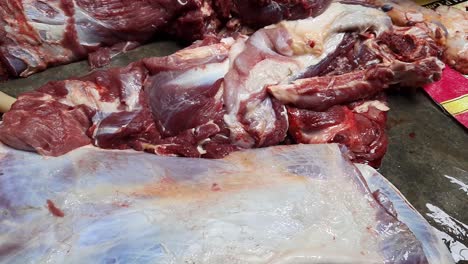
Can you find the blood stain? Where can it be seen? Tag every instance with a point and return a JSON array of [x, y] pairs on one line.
[[54, 210], [215, 187]]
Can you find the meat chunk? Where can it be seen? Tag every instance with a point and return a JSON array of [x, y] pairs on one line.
[[320, 93], [39, 123], [315, 80], [446, 26], [259, 13], [167, 106], [38, 34], [363, 66], [456, 22], [275, 55], [360, 126]]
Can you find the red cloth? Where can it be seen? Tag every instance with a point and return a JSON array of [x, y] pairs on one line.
[[451, 93]]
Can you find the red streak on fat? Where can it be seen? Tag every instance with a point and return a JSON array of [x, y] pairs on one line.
[[124, 204], [412, 135], [54, 210], [311, 44], [215, 187]]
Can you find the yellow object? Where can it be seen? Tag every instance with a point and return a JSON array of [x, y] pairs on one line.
[[5, 102], [460, 4], [456, 106]]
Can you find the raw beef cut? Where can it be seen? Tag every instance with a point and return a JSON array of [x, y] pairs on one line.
[[277, 54], [123, 108], [448, 26], [360, 126], [37, 34], [271, 205], [316, 80]]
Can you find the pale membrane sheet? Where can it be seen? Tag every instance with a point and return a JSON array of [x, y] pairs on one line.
[[285, 204]]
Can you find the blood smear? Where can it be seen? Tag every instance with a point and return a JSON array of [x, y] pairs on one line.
[[54, 210]]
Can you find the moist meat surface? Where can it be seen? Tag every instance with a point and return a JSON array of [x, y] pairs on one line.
[[37, 34], [316, 80]]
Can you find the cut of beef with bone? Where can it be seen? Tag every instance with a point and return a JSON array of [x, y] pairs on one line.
[[316, 79], [275, 55], [320, 93], [36, 34], [121, 108], [363, 66]]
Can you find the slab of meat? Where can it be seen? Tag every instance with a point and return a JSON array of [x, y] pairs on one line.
[[37, 34], [456, 22], [315, 80], [447, 26], [122, 108], [277, 54], [284, 204], [360, 126]]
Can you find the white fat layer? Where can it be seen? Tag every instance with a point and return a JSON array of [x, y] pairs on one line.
[[237, 47], [264, 73], [323, 135], [228, 41], [286, 95], [50, 29], [200, 149], [312, 40], [336, 19], [203, 52], [86, 29], [329, 46], [86, 93], [364, 107], [274, 206], [201, 76], [262, 116], [106, 130]]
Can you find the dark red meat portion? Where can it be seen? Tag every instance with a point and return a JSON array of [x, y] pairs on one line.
[[362, 132], [77, 28], [259, 13], [150, 105], [220, 95], [37, 123]]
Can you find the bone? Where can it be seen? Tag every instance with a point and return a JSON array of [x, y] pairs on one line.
[[5, 102]]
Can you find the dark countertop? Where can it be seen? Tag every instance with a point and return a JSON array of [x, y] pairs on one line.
[[425, 146], [427, 161]]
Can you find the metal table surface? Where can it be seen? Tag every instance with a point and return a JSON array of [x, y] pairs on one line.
[[427, 159]]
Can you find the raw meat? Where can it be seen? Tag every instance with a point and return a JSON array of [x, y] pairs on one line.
[[456, 22], [282, 208], [259, 13], [362, 67], [316, 79], [37, 34], [447, 26], [275, 55], [360, 126], [123, 108]]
